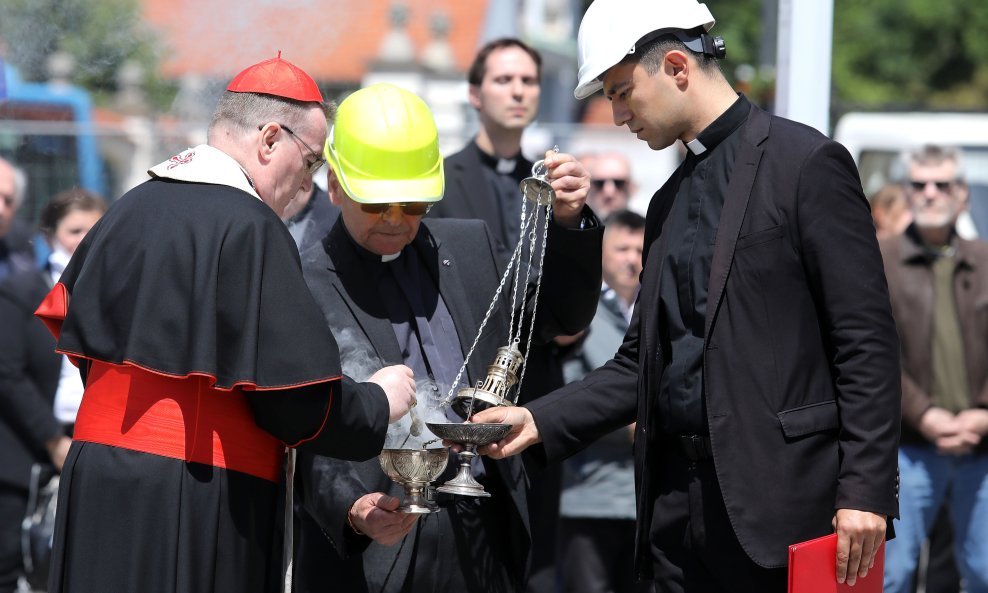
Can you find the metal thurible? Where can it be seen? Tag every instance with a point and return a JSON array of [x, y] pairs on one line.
[[536, 188], [522, 288], [502, 375]]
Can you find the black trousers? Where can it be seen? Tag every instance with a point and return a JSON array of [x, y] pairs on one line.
[[694, 548], [13, 505], [543, 509], [597, 556], [468, 555], [942, 575]]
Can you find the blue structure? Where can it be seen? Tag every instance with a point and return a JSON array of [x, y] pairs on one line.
[[25, 98], [53, 161]]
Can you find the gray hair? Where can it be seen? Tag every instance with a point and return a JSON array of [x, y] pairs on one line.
[[932, 155], [20, 182], [247, 111]]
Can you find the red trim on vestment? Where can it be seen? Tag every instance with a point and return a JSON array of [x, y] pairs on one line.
[[55, 306], [53, 309], [133, 406], [181, 418], [322, 426]]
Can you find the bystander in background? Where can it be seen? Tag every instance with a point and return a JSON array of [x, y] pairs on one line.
[[40, 390], [938, 285], [890, 210], [16, 254], [611, 185], [597, 505]]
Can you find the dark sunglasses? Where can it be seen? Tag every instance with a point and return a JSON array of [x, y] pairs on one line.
[[409, 208], [619, 184], [942, 186]]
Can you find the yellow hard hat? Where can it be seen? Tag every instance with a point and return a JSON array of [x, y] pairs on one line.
[[384, 147]]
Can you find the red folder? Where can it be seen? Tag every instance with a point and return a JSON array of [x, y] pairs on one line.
[[813, 569]]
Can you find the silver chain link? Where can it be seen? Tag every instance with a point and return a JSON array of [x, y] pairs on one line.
[[514, 264]]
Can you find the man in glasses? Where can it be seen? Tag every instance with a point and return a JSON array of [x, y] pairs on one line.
[[396, 289], [610, 183], [203, 356], [938, 284]]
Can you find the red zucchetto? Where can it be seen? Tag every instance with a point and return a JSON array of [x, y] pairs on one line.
[[277, 77]]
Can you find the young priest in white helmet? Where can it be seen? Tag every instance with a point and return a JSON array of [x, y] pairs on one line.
[[762, 363]]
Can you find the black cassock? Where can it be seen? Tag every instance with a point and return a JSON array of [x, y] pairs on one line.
[[195, 288]]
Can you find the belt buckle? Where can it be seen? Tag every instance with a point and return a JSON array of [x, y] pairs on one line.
[[694, 447]]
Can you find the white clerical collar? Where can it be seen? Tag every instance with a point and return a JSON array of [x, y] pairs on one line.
[[505, 166], [205, 164], [696, 147], [390, 257]]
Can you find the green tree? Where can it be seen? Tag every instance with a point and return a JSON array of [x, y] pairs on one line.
[[100, 35], [911, 53], [887, 54], [740, 23]]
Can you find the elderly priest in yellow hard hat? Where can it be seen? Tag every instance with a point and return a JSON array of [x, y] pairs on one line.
[[399, 290], [204, 356]]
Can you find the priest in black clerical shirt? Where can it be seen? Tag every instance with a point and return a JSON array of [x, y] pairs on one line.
[[396, 289]]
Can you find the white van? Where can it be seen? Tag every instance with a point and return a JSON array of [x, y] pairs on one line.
[[875, 140]]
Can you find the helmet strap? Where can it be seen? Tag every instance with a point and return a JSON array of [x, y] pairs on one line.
[[700, 41]]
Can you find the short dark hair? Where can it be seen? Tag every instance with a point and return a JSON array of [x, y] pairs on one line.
[[66, 202], [651, 52], [475, 75], [628, 219]]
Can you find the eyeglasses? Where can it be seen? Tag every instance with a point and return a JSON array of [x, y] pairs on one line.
[[310, 168], [942, 186], [409, 208], [619, 184]]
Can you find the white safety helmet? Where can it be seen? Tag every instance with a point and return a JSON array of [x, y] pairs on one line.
[[611, 28]]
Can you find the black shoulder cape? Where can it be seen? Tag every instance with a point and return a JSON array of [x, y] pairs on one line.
[[186, 278]]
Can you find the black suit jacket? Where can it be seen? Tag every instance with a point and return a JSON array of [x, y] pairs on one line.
[[319, 216], [800, 368], [29, 373], [468, 195], [17, 249], [462, 260]]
